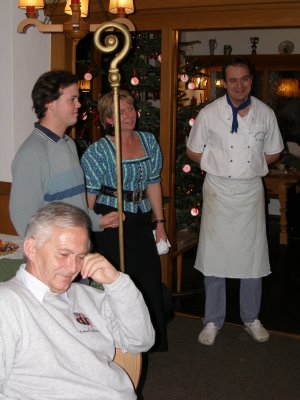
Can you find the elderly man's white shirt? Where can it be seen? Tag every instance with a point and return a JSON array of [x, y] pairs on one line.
[[235, 155]]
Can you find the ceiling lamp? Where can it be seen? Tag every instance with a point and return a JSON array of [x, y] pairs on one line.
[[75, 27], [121, 7], [31, 6], [84, 8]]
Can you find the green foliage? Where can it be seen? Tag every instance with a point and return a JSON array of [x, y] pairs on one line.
[[142, 62], [188, 200], [149, 120], [188, 176]]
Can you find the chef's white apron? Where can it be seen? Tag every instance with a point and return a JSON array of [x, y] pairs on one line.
[[233, 241]]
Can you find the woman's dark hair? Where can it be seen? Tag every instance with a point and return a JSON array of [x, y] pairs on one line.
[[237, 62], [48, 88]]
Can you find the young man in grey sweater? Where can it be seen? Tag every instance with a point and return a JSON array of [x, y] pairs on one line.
[[46, 168], [58, 338]]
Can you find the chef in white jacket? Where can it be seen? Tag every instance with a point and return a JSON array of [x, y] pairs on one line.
[[233, 139]]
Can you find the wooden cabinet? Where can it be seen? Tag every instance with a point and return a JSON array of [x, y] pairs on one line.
[[277, 184]]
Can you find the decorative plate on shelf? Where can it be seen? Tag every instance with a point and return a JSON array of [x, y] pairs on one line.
[[286, 47]]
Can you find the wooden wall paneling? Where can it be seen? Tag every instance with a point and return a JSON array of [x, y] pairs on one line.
[[198, 14], [168, 101], [96, 90], [6, 225], [221, 17], [61, 52], [147, 5]]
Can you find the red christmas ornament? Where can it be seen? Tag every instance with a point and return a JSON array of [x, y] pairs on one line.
[[134, 81], [88, 76], [186, 168], [191, 121], [195, 212], [191, 86], [184, 78]]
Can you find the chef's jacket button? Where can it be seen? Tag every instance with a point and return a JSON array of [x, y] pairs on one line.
[[248, 162], [230, 160], [231, 147], [229, 176], [248, 147]]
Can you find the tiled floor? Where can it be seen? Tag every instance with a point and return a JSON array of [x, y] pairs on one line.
[[280, 309]]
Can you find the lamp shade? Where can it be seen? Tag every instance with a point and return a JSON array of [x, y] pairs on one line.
[[84, 7], [121, 6], [31, 3]]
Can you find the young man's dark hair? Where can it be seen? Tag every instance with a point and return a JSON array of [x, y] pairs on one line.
[[48, 88]]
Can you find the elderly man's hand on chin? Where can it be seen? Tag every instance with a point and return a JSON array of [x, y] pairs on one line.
[[99, 269]]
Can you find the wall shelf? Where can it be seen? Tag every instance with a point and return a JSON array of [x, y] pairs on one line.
[[274, 62]]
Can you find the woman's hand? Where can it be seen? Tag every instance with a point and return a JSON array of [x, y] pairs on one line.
[[110, 220], [97, 267], [160, 232]]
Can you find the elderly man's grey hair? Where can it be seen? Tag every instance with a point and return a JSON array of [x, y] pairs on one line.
[[55, 214]]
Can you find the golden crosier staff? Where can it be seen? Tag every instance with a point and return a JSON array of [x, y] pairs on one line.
[[111, 44]]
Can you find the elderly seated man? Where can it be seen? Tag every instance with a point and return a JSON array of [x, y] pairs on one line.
[[58, 338]]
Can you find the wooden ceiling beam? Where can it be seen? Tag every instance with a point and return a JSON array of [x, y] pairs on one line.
[[198, 14], [220, 19], [169, 4]]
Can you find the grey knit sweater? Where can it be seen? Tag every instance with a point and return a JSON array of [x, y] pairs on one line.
[[46, 168], [58, 349]]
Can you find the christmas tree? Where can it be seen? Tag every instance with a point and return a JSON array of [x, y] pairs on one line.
[[188, 176]]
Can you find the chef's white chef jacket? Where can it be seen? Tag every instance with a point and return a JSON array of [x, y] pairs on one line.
[[235, 155]]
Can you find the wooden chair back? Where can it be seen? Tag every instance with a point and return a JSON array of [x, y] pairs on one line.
[[131, 363]]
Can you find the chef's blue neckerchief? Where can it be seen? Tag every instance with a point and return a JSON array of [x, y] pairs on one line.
[[235, 111]]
